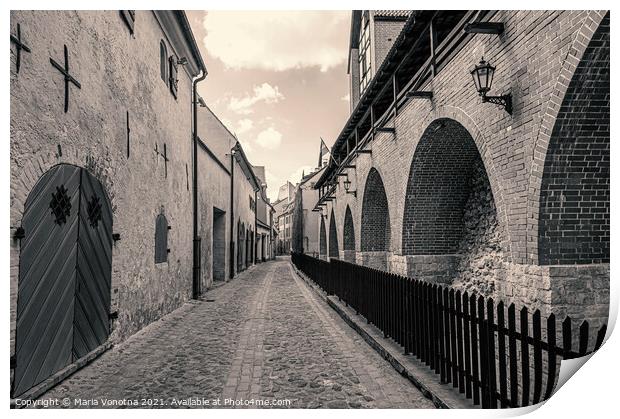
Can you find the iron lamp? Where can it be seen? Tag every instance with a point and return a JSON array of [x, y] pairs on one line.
[[483, 79], [347, 186]]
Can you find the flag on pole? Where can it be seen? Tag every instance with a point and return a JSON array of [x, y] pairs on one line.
[[324, 150]]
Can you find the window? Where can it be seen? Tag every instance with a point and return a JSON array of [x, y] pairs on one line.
[[161, 239], [129, 16], [163, 61], [364, 53]]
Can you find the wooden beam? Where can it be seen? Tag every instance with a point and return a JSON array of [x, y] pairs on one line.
[[349, 166], [387, 129], [364, 151], [433, 37], [491, 28]]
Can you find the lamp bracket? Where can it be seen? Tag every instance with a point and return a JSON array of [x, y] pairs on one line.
[[504, 101]]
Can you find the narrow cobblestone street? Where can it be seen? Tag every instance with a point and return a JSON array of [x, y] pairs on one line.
[[263, 336]]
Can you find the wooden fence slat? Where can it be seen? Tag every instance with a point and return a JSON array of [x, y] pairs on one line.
[[453, 355], [446, 328], [567, 337], [551, 355], [525, 358], [442, 348], [466, 344], [459, 340], [484, 355], [512, 349], [428, 326], [474, 350], [583, 338], [537, 356], [491, 345], [501, 343], [436, 334]]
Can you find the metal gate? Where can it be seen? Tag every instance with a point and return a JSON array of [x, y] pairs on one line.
[[65, 267]]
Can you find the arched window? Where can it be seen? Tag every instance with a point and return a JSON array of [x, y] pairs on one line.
[[163, 61], [161, 239]]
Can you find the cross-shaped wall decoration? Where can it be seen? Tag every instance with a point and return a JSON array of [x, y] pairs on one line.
[[19, 46], [165, 156], [128, 131], [68, 78]]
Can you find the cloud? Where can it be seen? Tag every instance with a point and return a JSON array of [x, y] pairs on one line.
[[269, 138], [244, 125], [247, 147], [263, 93], [277, 40]]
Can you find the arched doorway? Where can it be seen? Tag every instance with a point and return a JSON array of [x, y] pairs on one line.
[[240, 246], [65, 270], [333, 237], [450, 226], [348, 240], [322, 239], [375, 234]]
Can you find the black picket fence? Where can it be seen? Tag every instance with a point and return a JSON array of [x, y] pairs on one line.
[[466, 339]]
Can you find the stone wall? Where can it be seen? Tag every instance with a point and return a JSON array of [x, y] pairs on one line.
[[119, 75], [482, 257]]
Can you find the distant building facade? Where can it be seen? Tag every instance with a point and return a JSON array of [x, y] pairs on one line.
[[306, 219]]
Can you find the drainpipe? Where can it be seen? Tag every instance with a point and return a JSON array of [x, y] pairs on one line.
[[196, 238], [255, 226], [232, 214]]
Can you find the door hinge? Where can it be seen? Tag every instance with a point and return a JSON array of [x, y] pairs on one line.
[[20, 233]]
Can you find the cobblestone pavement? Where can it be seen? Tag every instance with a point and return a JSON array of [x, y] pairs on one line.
[[266, 337]]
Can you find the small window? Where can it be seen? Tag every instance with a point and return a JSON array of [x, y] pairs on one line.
[[129, 16], [163, 64], [161, 239]]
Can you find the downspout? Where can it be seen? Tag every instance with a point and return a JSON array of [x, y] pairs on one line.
[[255, 226], [231, 274], [196, 239]]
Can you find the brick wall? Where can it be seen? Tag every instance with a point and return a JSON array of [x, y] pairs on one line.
[[535, 60], [375, 215], [574, 199], [438, 187], [333, 237]]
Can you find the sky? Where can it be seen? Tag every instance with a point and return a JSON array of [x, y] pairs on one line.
[[278, 80]]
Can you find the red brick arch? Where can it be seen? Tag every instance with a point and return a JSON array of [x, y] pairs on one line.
[[348, 235], [333, 237], [375, 227], [574, 203], [550, 116], [439, 184]]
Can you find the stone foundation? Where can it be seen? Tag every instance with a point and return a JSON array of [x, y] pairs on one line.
[[348, 255], [436, 269], [375, 260]]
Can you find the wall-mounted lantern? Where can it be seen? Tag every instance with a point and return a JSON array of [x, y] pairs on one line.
[[483, 79], [347, 186]]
